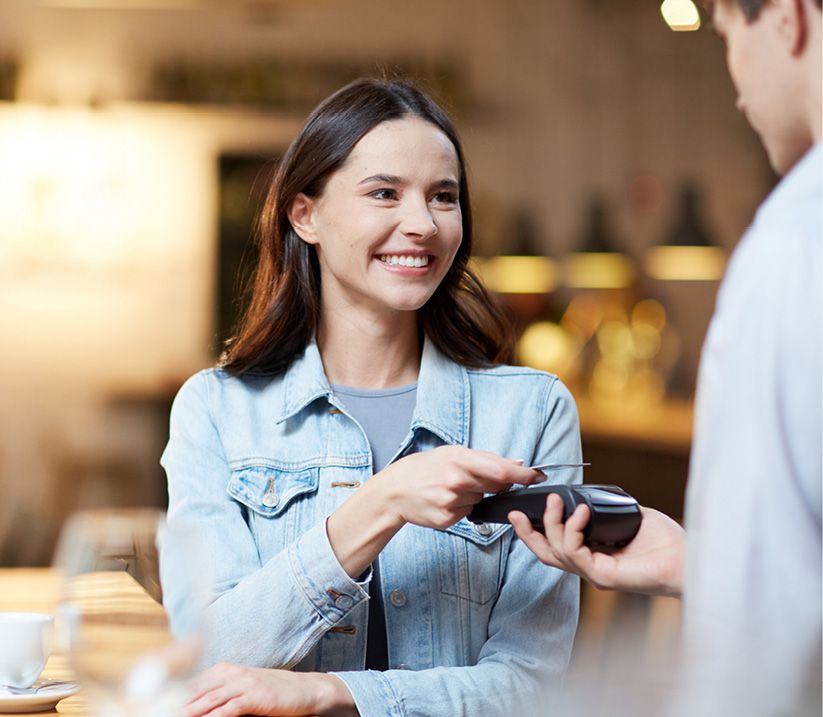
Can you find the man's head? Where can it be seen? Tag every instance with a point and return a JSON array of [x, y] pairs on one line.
[[773, 50]]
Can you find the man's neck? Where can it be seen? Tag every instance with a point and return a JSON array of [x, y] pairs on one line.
[[814, 75]]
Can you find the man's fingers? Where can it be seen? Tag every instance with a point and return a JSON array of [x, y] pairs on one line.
[[573, 533], [522, 525], [534, 540], [579, 518], [552, 520]]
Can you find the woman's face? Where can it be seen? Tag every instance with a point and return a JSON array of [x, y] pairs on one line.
[[388, 223]]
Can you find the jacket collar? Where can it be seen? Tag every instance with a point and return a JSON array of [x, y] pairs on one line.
[[443, 399]]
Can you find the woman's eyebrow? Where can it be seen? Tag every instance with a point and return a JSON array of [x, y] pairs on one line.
[[446, 184], [385, 178]]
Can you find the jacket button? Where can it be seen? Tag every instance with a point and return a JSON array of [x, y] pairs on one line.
[[344, 602], [270, 500], [483, 529], [397, 598], [403, 666]]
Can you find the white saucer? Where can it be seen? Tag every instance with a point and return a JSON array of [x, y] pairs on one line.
[[45, 699]]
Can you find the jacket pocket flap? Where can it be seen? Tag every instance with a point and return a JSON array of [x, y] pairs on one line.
[[267, 490], [478, 533]]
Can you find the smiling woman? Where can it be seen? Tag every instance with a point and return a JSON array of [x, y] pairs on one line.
[[386, 239], [361, 412], [461, 318]]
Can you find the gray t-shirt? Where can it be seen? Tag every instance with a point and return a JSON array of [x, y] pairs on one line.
[[385, 415]]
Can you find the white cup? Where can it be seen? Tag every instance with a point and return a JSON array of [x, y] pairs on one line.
[[25, 644]]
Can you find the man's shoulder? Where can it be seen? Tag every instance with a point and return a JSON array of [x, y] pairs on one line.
[[796, 203]]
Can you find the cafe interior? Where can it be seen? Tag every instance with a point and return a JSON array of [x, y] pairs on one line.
[[611, 177]]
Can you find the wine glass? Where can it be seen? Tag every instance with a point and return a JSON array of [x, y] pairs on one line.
[[130, 660]]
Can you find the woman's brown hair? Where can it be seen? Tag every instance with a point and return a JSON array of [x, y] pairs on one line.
[[282, 316]]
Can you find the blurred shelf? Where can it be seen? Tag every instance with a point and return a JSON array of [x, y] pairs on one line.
[[645, 450], [665, 427]]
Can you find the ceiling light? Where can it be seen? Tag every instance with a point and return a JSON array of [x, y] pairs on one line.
[[680, 15]]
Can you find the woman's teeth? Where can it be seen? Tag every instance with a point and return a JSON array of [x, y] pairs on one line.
[[400, 260]]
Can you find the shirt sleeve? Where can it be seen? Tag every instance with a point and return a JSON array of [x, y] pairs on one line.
[[304, 584], [531, 629]]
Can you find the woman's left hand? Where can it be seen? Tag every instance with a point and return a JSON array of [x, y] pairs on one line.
[[228, 690]]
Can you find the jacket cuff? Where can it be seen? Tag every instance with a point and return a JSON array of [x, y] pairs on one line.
[[321, 578], [372, 693]]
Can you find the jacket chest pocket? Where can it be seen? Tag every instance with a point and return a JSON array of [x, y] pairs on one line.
[[472, 560], [279, 501]]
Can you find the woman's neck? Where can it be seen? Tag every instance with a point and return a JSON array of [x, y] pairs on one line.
[[364, 351]]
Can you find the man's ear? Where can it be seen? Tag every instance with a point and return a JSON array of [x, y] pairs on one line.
[[301, 216], [793, 24]]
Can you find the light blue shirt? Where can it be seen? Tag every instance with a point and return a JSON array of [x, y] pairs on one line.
[[752, 597], [475, 624]]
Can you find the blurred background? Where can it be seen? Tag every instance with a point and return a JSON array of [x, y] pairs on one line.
[[611, 177]]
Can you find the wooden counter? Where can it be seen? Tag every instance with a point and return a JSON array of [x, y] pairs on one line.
[[38, 589]]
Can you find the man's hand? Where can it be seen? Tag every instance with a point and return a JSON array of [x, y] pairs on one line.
[[651, 563]]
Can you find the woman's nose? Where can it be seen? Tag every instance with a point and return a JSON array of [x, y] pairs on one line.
[[418, 220]]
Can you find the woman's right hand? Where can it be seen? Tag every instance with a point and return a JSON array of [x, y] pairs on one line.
[[433, 489], [436, 488]]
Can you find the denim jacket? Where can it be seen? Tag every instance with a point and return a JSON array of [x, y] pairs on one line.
[[475, 624]]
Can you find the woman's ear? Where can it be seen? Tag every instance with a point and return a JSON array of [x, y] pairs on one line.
[[301, 217]]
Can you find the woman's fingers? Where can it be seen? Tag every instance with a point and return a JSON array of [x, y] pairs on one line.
[[206, 703], [490, 469], [233, 708], [215, 688]]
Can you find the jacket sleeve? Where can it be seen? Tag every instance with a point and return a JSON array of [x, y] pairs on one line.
[[530, 633], [304, 585]]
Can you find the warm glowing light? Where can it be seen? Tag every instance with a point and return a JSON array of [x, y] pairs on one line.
[[583, 315], [680, 15], [646, 342], [548, 347], [614, 340], [86, 190], [106, 243], [686, 263], [597, 270], [650, 313], [517, 274]]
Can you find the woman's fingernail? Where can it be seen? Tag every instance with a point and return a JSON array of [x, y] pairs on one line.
[[519, 460]]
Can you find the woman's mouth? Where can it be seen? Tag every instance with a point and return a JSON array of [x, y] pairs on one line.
[[407, 260]]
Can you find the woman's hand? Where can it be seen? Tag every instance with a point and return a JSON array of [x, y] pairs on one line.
[[231, 690], [436, 488], [433, 489], [651, 563]]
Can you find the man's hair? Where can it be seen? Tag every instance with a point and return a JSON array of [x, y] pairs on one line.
[[751, 8]]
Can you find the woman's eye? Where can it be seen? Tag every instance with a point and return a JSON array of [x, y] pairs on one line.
[[383, 194], [446, 198]]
